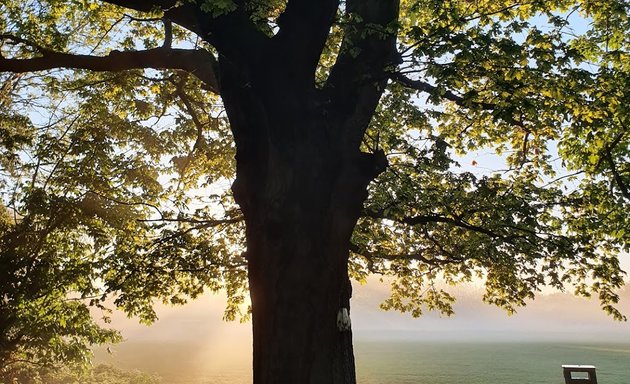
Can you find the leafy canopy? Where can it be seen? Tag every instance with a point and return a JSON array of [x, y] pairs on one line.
[[114, 174]]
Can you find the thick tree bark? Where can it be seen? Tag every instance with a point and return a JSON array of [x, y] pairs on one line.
[[301, 190], [297, 243], [298, 282]]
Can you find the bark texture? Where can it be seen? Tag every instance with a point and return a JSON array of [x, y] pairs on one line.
[[301, 190], [302, 180]]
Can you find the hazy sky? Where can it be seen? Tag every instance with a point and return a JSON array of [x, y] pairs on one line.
[[194, 340]]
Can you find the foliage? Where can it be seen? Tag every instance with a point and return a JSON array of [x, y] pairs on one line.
[[115, 183], [523, 81], [96, 194], [100, 374]]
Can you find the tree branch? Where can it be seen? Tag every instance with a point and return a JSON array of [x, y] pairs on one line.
[[607, 156], [425, 219], [359, 76], [617, 176], [518, 232], [432, 89], [233, 33], [199, 125], [202, 223], [143, 5], [193, 114], [462, 101], [304, 28], [199, 62], [407, 256], [19, 40], [168, 33]]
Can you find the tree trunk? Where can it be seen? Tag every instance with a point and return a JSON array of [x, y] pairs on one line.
[[299, 284], [301, 190], [297, 250]]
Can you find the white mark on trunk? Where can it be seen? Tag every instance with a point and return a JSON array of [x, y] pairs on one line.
[[343, 320]]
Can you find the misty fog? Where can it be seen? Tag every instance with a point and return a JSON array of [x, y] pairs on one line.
[[193, 340]]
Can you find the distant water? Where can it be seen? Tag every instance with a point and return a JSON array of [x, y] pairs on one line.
[[412, 362], [486, 363]]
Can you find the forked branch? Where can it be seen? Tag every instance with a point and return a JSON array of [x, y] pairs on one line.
[[304, 27], [367, 53]]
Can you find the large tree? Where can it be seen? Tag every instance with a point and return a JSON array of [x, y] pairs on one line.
[[339, 125]]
